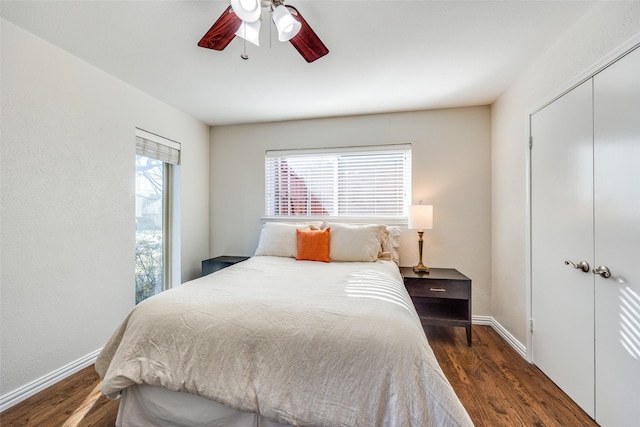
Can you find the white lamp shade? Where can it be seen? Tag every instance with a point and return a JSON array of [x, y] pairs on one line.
[[286, 24], [421, 217], [250, 31], [247, 10]]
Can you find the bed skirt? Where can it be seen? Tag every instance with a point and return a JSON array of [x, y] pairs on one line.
[[146, 405]]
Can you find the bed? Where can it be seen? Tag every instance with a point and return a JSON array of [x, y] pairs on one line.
[[278, 340]]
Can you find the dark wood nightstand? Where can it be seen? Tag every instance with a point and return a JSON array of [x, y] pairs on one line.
[[442, 297], [218, 263]]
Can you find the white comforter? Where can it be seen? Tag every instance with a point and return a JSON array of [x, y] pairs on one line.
[[299, 342]]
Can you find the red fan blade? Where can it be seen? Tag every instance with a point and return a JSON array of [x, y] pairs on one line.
[[307, 41], [222, 31]]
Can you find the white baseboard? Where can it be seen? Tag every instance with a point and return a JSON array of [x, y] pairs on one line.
[[18, 395], [506, 335]]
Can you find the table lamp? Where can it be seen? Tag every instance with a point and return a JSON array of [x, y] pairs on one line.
[[420, 218]]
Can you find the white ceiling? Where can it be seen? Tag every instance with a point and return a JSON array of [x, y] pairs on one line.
[[384, 56]]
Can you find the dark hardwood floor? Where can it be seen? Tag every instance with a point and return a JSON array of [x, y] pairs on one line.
[[74, 401], [495, 384]]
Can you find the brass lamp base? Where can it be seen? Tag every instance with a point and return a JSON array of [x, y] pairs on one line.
[[420, 268]]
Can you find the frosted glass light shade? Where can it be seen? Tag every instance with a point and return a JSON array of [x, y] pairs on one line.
[[250, 31], [286, 24], [421, 217], [247, 10]]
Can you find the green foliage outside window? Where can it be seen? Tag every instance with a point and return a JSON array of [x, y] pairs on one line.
[[149, 268]]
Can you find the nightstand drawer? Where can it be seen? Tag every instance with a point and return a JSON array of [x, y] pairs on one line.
[[437, 289]]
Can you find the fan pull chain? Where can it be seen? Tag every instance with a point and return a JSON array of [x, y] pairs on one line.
[[244, 44], [270, 25]]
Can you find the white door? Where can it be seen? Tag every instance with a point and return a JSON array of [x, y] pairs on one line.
[[617, 241], [562, 230]]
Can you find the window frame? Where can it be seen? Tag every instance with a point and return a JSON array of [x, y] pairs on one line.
[[404, 148], [168, 152]]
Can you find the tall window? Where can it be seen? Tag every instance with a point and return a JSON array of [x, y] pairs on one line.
[[355, 182], [155, 159]]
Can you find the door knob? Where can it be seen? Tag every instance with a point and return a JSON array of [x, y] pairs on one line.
[[582, 265], [603, 271]]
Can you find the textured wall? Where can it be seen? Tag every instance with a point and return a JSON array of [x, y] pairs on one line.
[[67, 205], [605, 27]]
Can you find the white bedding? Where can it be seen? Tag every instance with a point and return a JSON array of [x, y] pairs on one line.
[[298, 342]]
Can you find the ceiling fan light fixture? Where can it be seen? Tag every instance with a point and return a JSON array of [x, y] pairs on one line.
[[291, 27], [286, 24], [247, 10], [250, 31]]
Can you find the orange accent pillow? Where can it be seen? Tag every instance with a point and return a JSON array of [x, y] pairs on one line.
[[313, 245]]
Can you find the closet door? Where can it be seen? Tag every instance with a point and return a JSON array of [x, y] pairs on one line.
[[617, 241], [562, 230]]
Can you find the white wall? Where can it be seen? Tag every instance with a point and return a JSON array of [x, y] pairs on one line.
[[601, 30], [451, 170], [67, 203]]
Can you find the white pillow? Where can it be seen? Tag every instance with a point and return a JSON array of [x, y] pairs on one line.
[[391, 243], [355, 243], [279, 239]]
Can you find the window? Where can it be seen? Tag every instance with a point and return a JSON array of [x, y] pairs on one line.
[[155, 160], [355, 182]]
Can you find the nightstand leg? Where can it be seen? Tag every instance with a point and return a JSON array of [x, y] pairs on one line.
[[468, 327]]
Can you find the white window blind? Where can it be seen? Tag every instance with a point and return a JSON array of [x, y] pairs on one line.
[[357, 182], [157, 147]]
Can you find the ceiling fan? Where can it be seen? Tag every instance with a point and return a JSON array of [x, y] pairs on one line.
[[242, 18]]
